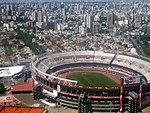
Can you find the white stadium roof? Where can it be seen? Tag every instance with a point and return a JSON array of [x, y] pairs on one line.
[[10, 71]]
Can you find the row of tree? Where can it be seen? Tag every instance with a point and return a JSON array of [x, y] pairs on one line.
[[146, 46]]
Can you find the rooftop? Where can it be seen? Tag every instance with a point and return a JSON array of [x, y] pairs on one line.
[[21, 110], [25, 87], [10, 71]]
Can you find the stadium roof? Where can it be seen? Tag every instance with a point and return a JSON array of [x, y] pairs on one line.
[[10, 71]]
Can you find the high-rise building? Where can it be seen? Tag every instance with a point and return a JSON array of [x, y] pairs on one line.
[[111, 21], [96, 27], [20, 10], [83, 18], [138, 20], [96, 18], [45, 19], [7, 9], [40, 16], [12, 9], [49, 5], [34, 16], [82, 30], [78, 8], [89, 22], [63, 10], [62, 5], [64, 13], [2, 9], [52, 25], [40, 4]]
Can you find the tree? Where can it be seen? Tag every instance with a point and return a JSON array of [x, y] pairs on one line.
[[125, 45], [102, 19], [21, 46], [147, 51], [7, 47], [2, 88]]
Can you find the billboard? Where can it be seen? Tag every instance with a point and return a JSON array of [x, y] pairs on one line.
[[131, 80]]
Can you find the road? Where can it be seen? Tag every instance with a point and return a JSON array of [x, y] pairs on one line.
[[137, 46]]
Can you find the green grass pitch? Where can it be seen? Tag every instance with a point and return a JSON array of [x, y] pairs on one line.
[[92, 79]]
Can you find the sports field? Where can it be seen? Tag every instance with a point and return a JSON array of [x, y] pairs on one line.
[[92, 79]]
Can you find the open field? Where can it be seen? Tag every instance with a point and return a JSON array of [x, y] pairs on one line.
[[92, 79]]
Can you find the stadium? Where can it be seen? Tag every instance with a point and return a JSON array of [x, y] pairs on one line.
[[64, 78]]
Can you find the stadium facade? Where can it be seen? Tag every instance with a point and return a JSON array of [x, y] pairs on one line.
[[51, 87]]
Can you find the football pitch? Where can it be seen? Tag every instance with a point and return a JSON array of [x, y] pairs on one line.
[[92, 79]]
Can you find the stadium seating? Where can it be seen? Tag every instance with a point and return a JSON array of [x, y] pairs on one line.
[[43, 63]]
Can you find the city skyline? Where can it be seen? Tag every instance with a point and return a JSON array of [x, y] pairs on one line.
[[18, 1]]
